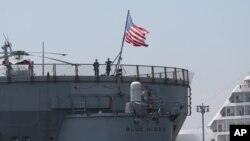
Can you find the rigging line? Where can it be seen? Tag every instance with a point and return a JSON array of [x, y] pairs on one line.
[[53, 59], [116, 58], [61, 54]]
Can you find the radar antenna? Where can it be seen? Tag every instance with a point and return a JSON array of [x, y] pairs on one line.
[[5, 47]]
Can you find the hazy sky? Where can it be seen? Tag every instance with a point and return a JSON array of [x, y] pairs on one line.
[[209, 37]]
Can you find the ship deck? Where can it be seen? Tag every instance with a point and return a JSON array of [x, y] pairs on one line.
[[85, 73]]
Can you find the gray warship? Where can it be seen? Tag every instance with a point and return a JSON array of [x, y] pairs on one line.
[[70, 103]]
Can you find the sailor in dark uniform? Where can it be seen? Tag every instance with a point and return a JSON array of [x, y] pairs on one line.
[[108, 66], [96, 67]]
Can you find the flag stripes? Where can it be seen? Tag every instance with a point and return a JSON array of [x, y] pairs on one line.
[[135, 35]]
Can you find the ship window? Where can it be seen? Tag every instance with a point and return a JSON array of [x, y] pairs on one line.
[[240, 111], [228, 112], [237, 98], [231, 99], [219, 127], [223, 113]]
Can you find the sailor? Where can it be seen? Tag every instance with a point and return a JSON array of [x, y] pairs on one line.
[[96, 67], [108, 67], [150, 102]]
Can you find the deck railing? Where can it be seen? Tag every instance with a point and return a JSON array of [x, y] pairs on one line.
[[137, 71]]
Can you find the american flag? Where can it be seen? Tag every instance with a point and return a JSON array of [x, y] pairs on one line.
[[135, 35]]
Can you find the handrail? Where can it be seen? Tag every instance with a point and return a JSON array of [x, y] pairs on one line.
[[137, 71]]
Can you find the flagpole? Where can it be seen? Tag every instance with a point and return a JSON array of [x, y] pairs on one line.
[[117, 67]]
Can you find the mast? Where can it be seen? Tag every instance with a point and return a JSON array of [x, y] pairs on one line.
[[5, 47], [117, 67], [43, 59]]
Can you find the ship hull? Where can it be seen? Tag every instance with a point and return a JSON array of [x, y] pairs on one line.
[[88, 108], [115, 128]]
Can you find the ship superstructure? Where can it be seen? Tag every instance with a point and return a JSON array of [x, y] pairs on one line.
[[70, 103], [236, 110]]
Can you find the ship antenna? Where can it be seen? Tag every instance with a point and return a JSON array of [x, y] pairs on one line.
[[5, 47], [43, 57]]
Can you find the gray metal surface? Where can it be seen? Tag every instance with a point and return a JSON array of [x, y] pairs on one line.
[[74, 108], [115, 128]]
